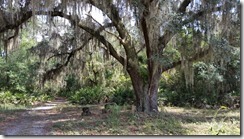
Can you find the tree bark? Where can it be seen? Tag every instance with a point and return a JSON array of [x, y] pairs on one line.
[[153, 89], [146, 92]]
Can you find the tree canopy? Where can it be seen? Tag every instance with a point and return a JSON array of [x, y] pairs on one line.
[[146, 37]]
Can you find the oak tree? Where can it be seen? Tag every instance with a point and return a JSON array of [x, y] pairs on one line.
[[139, 28]]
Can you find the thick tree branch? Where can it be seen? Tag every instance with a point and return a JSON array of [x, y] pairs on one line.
[[17, 18], [73, 51], [191, 59], [95, 33], [22, 19], [56, 70], [24, 16], [112, 12], [166, 37], [101, 38], [100, 29], [73, 19], [103, 28], [145, 29]]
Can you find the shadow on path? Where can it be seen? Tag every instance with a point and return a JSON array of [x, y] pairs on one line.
[[33, 121]]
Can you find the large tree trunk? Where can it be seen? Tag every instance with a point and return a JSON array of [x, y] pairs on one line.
[[153, 89], [146, 92]]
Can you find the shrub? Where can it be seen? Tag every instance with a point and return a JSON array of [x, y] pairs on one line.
[[21, 98], [87, 95], [210, 88], [123, 96], [7, 97], [72, 86]]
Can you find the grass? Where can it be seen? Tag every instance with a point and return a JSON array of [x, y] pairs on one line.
[[9, 107], [170, 121], [8, 110], [66, 119], [208, 122]]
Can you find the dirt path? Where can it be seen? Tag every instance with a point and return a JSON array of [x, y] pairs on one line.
[[34, 121]]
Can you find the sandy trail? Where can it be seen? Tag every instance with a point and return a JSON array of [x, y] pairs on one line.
[[34, 121]]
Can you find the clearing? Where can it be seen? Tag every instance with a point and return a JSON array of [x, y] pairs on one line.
[[58, 117]]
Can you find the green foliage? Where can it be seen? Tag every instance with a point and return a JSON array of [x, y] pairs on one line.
[[117, 90], [218, 128], [5, 108], [122, 93], [87, 95], [19, 81], [72, 85], [113, 118], [213, 86], [19, 71], [22, 98], [7, 97], [123, 96]]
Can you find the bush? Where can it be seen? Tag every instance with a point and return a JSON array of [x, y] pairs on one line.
[[71, 87], [87, 95], [72, 83], [123, 96], [210, 88], [22, 98], [7, 97]]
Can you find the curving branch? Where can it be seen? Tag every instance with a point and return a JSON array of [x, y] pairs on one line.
[[56, 70], [100, 29], [106, 43], [17, 19], [197, 56], [112, 12], [166, 37]]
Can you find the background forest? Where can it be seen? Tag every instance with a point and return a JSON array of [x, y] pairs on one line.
[[35, 62], [147, 53], [98, 80]]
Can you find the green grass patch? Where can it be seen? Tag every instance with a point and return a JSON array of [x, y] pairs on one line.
[[171, 121], [6, 108]]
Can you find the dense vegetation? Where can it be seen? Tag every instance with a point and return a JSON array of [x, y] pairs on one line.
[[120, 67], [199, 65], [213, 85]]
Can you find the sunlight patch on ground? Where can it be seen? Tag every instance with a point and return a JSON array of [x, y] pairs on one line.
[[43, 108], [64, 120], [50, 104], [47, 106]]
